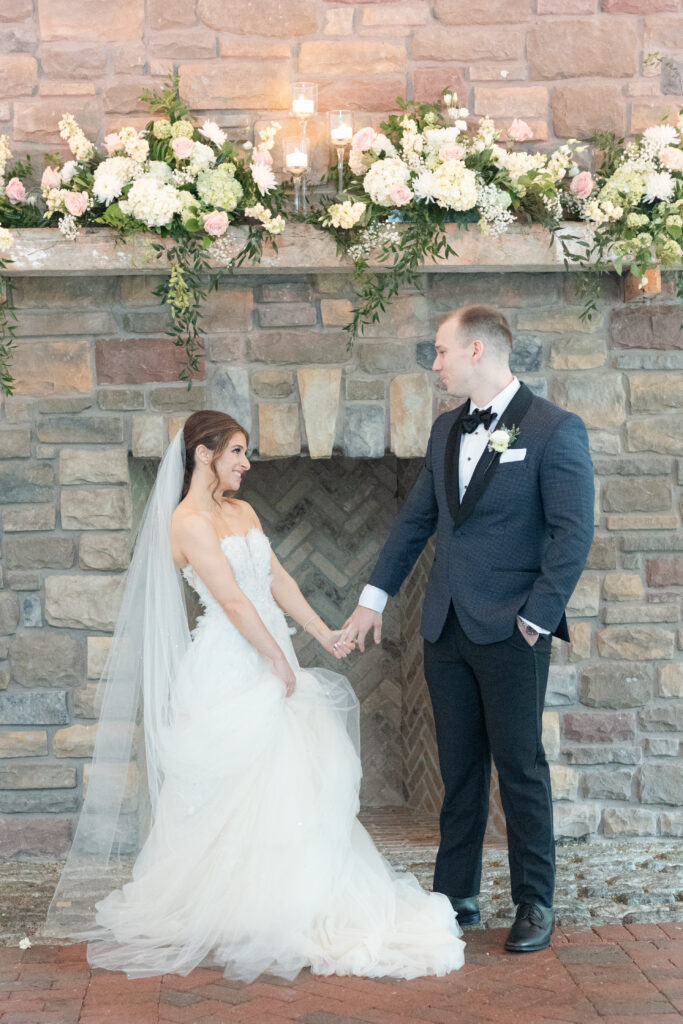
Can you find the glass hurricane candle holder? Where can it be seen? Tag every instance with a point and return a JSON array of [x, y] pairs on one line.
[[304, 102], [341, 133], [296, 161]]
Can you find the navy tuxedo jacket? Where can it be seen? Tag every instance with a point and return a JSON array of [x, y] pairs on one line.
[[517, 543]]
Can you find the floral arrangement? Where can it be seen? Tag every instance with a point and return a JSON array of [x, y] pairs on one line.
[[185, 182], [634, 205], [425, 167]]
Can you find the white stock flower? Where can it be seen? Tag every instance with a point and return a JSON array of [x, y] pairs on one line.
[[658, 185], [344, 215], [5, 239], [134, 144], [213, 133], [381, 178], [5, 154]]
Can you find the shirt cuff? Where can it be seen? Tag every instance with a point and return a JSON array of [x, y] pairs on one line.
[[539, 629], [374, 598]]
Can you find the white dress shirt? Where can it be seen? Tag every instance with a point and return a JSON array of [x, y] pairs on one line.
[[472, 447]]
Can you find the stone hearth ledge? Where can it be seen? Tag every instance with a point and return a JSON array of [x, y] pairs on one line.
[[301, 249]]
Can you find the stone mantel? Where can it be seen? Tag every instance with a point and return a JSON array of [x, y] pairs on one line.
[[301, 249]]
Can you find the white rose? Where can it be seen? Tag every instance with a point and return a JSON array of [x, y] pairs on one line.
[[499, 440]]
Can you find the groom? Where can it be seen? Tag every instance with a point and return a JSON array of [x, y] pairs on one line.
[[507, 485]]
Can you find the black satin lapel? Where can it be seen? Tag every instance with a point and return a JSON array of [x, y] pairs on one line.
[[488, 463], [452, 463]]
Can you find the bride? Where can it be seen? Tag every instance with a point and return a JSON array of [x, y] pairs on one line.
[[247, 851]]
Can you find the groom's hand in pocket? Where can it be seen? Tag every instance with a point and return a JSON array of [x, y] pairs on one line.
[[359, 623], [530, 634]]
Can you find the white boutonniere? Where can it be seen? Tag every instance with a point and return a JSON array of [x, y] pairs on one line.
[[501, 439]]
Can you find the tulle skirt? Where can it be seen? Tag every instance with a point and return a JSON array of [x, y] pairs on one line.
[[255, 859]]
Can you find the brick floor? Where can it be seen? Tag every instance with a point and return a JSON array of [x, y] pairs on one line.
[[607, 974]]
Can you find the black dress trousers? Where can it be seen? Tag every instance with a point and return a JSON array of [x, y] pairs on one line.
[[488, 700]]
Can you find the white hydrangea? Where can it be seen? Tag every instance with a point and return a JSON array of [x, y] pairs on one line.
[[658, 185], [381, 178], [360, 161], [201, 157], [152, 201], [159, 169], [455, 186], [382, 146]]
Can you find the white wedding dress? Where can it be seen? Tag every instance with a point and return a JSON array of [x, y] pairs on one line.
[[255, 859]]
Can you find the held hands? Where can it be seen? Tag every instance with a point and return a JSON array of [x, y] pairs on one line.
[[356, 627], [334, 644], [330, 640]]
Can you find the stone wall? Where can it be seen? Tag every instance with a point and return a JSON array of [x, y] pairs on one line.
[[97, 395], [566, 66]]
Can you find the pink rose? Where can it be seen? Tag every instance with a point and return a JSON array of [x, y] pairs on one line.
[[51, 178], [262, 157], [363, 139], [452, 151], [400, 195], [672, 158], [182, 147], [112, 143], [582, 185], [519, 131], [76, 203], [216, 223], [15, 191]]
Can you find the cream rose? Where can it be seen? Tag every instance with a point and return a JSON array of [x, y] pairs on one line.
[[51, 178], [582, 185], [216, 223], [363, 139], [15, 191], [76, 203], [672, 158], [400, 195], [519, 131], [182, 147]]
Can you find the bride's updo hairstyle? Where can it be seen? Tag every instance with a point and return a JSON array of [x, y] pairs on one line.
[[214, 430]]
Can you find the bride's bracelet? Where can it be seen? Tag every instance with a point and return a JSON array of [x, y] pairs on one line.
[[313, 616]]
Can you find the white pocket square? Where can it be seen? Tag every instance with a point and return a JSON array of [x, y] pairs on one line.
[[513, 455]]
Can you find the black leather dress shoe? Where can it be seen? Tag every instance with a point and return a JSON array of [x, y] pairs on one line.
[[532, 929], [467, 909]]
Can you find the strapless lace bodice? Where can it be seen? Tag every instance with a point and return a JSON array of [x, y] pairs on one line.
[[249, 557]]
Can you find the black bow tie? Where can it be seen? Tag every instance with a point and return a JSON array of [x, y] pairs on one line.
[[473, 419]]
